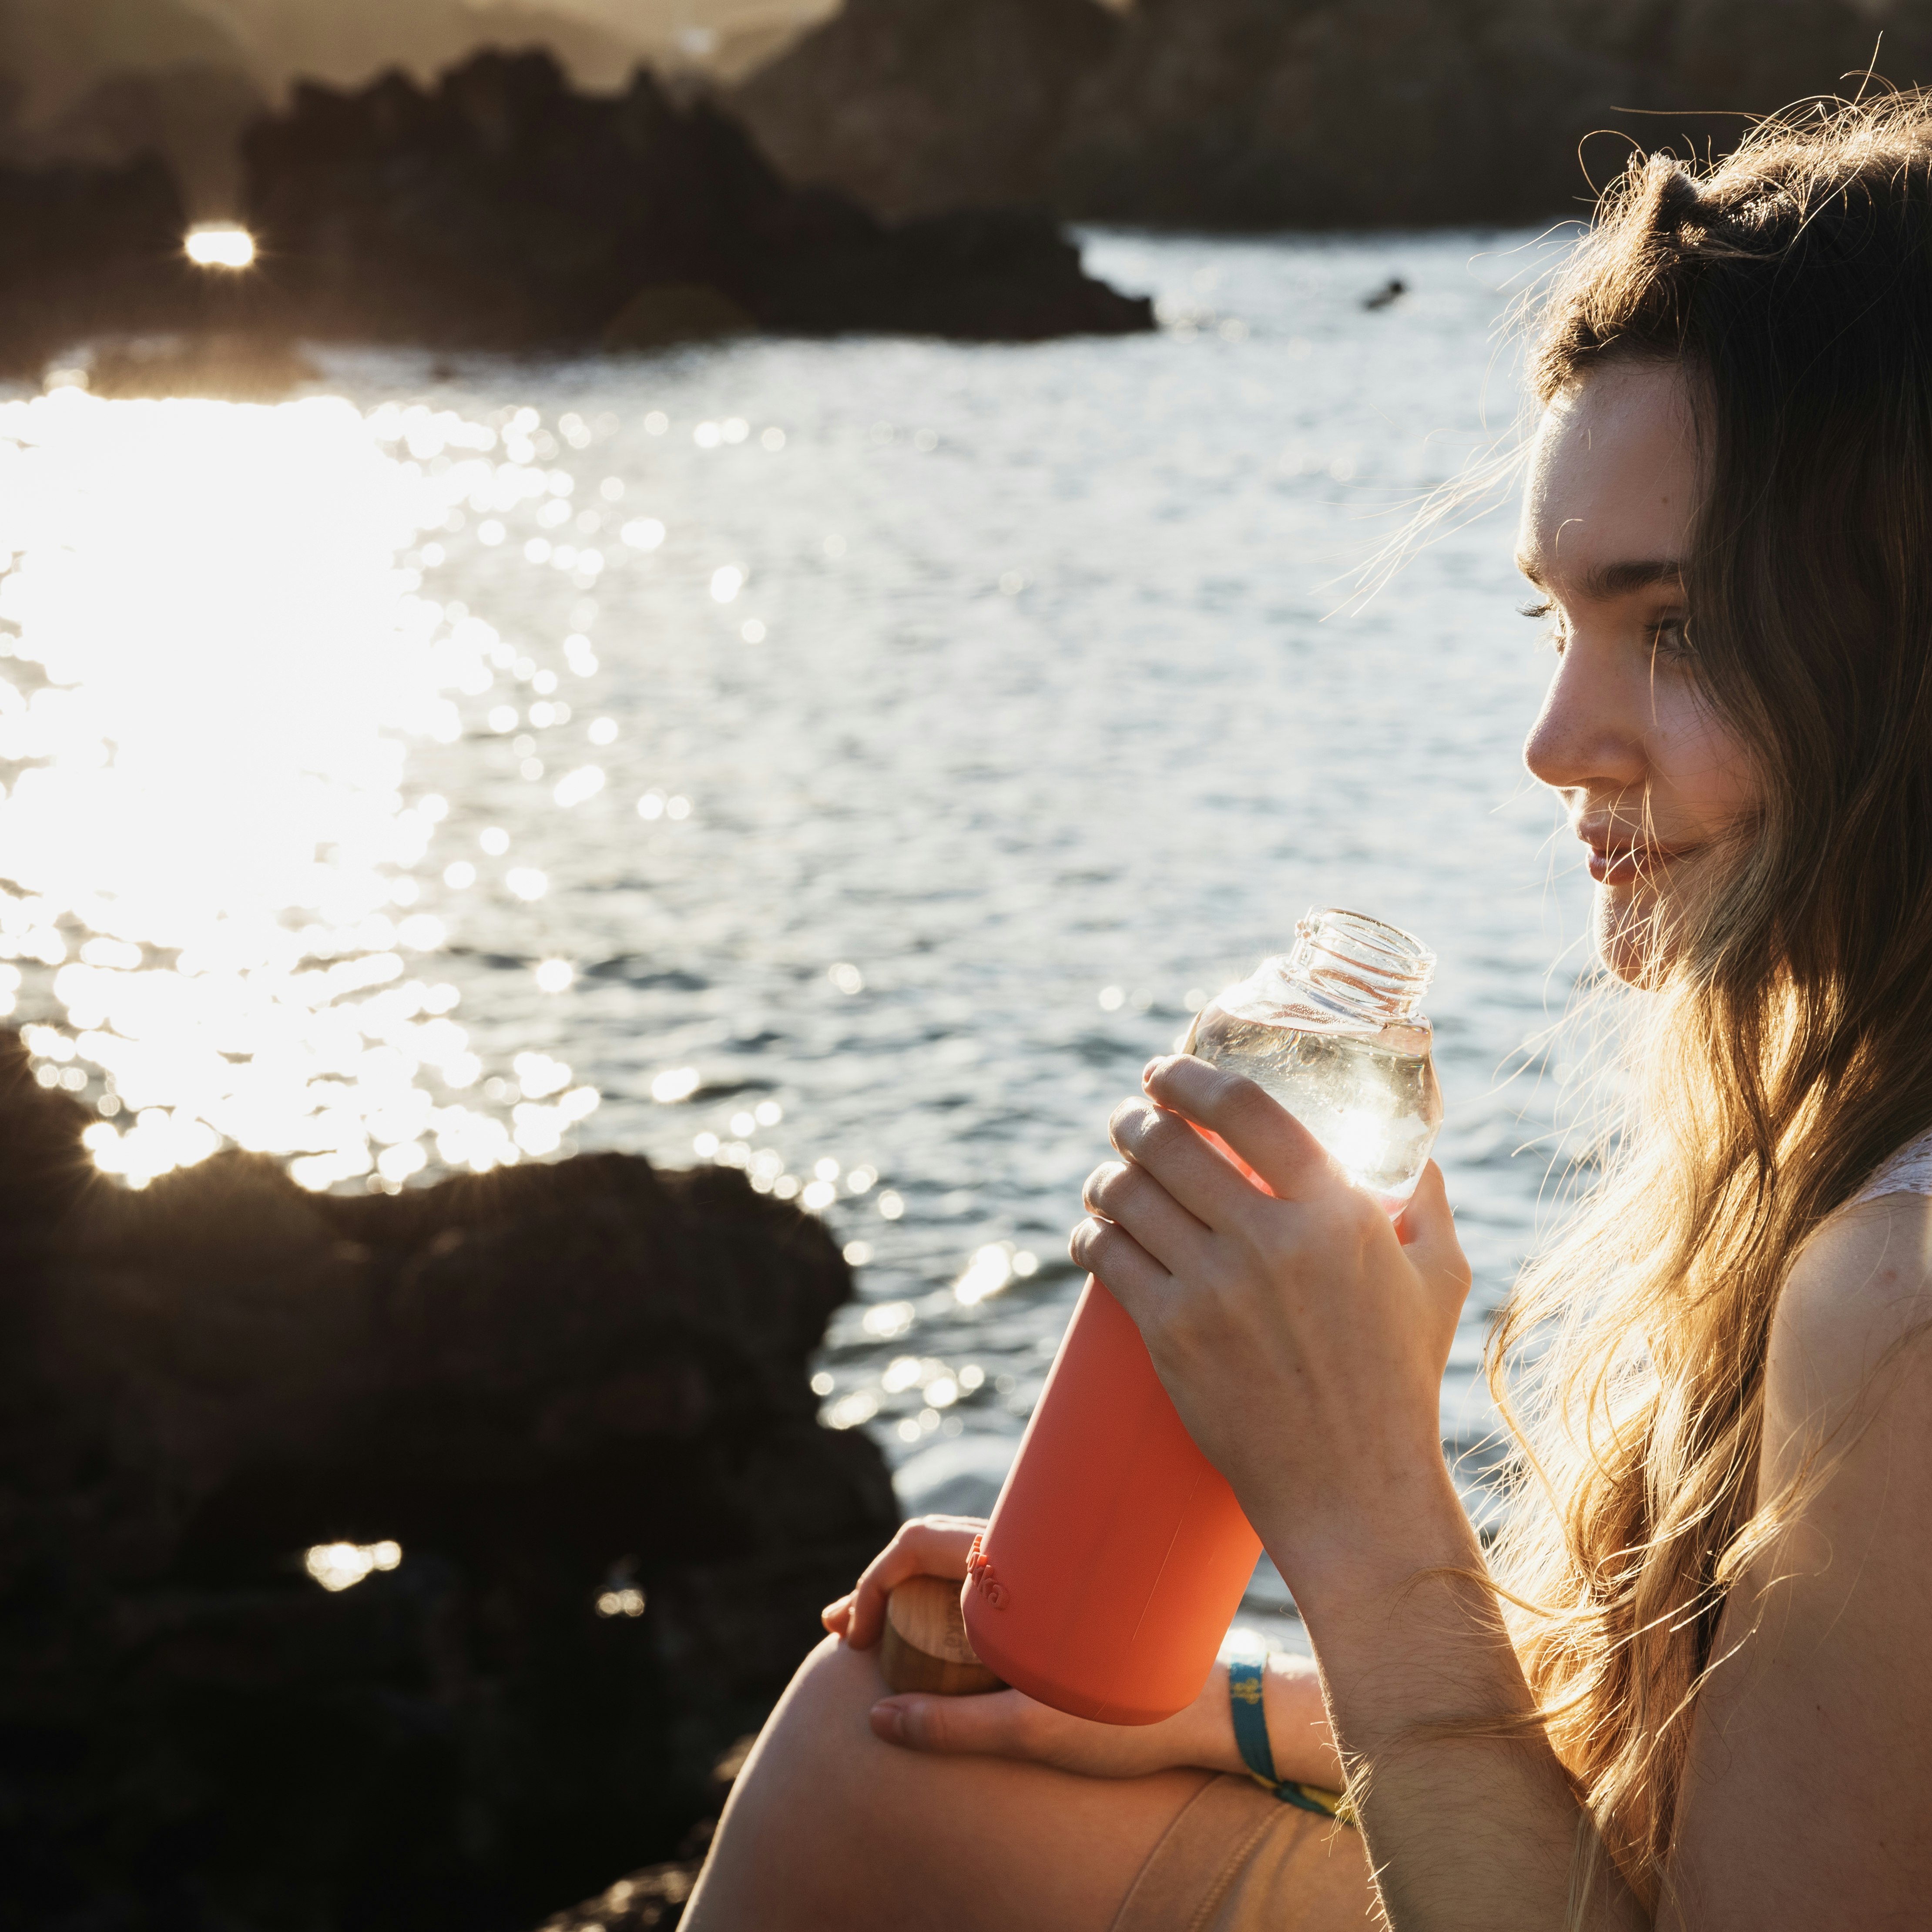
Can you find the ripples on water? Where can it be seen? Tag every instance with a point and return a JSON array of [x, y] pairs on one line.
[[847, 759]]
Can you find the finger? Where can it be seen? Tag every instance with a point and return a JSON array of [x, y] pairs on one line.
[[934, 1545], [1135, 1278], [1428, 1232], [1288, 1160], [931, 1546], [837, 1614], [1130, 1197], [1196, 1175], [995, 1725]]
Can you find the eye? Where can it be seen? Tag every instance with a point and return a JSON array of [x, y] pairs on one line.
[[1670, 636]]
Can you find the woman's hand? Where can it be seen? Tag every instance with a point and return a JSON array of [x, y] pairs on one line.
[[928, 1546], [1303, 1339], [1008, 1723]]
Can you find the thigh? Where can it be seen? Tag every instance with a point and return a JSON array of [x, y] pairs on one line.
[[827, 1825]]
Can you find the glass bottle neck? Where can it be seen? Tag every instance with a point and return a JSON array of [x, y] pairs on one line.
[[1364, 972]]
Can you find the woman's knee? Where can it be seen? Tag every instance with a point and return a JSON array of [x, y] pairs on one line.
[[793, 1835], [823, 1714]]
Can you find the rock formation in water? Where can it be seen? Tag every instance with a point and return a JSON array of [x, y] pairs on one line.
[[913, 106], [85, 250], [1321, 113], [1299, 113], [550, 1386], [502, 210]]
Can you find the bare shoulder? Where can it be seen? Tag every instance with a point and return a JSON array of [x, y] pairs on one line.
[[1811, 1752], [1859, 1294], [1849, 1373], [1848, 1408]]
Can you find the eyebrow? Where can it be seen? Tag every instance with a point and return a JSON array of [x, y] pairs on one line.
[[1608, 581]]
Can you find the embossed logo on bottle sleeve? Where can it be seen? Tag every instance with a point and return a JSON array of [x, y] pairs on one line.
[[985, 1578]]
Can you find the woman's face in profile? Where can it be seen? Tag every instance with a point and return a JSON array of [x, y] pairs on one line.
[[1652, 777]]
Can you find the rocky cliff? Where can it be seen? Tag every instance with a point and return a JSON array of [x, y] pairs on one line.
[[556, 1420], [1342, 113], [917, 106], [1302, 113], [84, 250], [502, 209]]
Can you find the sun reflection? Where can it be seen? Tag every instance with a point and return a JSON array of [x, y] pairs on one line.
[[220, 245], [341, 1566], [214, 858]]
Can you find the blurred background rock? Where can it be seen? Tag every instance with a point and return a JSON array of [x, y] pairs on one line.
[[1259, 114], [1196, 113], [102, 81]]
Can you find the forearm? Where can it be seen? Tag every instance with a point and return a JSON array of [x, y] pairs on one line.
[[1470, 1820], [1298, 1725]]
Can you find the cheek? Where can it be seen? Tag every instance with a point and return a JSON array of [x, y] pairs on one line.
[[1700, 773]]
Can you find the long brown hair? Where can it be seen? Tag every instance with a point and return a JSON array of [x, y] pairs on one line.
[[1788, 1049]]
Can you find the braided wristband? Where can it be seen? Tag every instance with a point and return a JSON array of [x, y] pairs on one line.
[[1245, 1698]]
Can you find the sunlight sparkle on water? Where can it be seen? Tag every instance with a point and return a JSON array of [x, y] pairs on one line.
[[214, 671]]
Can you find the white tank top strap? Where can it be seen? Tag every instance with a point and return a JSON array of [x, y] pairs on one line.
[[1908, 1171]]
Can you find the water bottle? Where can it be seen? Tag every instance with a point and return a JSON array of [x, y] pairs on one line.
[[1116, 1554]]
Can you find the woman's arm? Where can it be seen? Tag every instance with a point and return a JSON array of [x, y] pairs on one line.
[[1304, 1345], [1807, 1796], [1007, 1723]]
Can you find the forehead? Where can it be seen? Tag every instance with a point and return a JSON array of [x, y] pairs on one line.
[[1613, 474]]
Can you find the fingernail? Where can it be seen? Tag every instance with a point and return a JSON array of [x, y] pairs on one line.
[[888, 1720], [1153, 1066]]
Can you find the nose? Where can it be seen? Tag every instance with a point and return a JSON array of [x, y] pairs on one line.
[[1588, 737]]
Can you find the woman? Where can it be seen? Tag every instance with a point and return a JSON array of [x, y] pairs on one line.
[[1691, 1687]]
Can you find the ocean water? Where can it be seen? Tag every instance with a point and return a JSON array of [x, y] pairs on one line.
[[849, 759]]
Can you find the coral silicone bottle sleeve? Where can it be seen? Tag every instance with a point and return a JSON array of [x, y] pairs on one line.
[[1117, 1553]]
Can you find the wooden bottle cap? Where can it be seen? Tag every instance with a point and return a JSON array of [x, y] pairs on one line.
[[925, 1646]]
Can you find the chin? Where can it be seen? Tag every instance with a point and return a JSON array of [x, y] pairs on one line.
[[1625, 929]]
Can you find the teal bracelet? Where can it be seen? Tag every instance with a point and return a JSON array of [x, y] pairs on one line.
[[1246, 1695], [1246, 1682]]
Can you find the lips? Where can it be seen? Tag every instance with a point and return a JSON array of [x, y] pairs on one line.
[[1624, 863]]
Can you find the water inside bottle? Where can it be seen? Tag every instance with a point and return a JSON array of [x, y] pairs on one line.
[[1375, 1110]]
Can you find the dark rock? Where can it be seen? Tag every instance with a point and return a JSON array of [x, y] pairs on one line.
[[549, 1385], [649, 1901], [1327, 113], [1260, 114], [86, 250], [674, 312], [653, 1898], [916, 107], [501, 210]]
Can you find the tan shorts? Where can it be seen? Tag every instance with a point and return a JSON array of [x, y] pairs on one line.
[[1237, 1859]]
